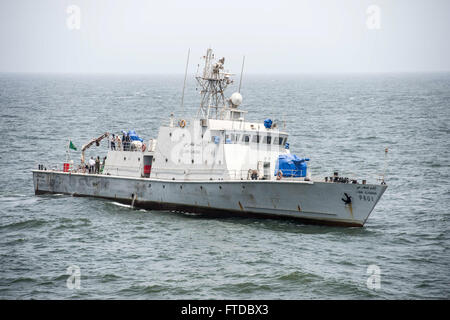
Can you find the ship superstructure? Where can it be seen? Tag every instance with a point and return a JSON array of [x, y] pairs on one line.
[[217, 144]]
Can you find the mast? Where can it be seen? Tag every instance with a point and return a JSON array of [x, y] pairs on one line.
[[184, 83], [242, 72], [213, 82]]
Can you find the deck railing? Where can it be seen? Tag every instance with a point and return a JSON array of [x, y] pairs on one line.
[[267, 175], [232, 174], [125, 146]]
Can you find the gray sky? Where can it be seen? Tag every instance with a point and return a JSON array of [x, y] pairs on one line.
[[144, 36]]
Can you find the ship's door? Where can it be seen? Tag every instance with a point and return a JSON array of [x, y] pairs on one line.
[[266, 170], [147, 166], [263, 170]]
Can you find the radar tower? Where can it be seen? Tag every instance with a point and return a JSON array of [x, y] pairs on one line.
[[213, 82]]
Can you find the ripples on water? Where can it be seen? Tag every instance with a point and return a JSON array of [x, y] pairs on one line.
[[341, 122]]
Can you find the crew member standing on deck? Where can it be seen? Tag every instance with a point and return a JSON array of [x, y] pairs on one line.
[[103, 164], [113, 142], [119, 143], [91, 165], [97, 165], [127, 143], [124, 139]]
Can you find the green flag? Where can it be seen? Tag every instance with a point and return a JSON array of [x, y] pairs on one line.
[[72, 146]]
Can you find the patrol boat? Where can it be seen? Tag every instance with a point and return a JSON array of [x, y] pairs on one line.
[[218, 164]]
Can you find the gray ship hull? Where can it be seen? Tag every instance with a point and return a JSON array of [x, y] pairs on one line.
[[311, 202]]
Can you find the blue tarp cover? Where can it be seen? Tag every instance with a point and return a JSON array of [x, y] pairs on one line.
[[291, 165], [268, 123], [134, 136]]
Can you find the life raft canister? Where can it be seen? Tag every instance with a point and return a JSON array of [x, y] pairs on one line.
[[279, 175], [182, 123]]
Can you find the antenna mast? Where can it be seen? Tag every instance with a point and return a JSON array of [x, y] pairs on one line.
[[184, 83], [213, 82], [385, 165], [242, 72]]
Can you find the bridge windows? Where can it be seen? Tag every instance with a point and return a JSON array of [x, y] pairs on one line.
[[246, 138], [280, 140], [267, 139], [235, 138]]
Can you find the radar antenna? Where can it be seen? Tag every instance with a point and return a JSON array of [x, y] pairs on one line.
[[213, 82]]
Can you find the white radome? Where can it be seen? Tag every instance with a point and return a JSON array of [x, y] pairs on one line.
[[236, 99]]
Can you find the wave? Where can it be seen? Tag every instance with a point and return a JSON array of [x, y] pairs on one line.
[[144, 289], [109, 277], [23, 279], [246, 287], [299, 276], [34, 223], [121, 205]]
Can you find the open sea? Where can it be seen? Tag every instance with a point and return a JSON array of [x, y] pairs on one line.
[[342, 122]]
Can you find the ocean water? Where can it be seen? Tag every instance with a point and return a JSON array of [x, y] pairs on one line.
[[341, 122]]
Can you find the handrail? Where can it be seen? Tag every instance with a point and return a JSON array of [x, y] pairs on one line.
[[229, 175], [234, 175], [125, 146]]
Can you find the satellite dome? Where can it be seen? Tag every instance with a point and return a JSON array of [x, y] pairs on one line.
[[236, 99]]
